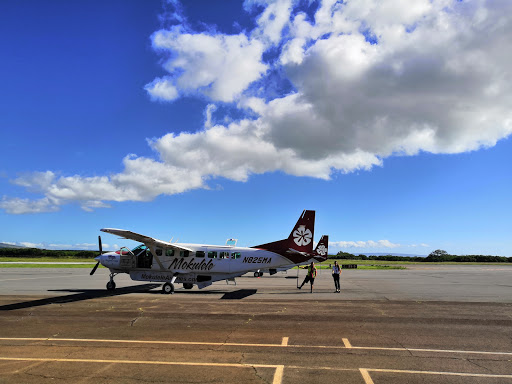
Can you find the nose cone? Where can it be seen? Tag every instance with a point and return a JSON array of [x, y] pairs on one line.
[[98, 258], [109, 259]]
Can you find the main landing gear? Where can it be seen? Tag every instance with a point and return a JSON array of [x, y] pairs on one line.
[[111, 285], [168, 288]]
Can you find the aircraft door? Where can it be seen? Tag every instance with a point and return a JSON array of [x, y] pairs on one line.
[[144, 258]]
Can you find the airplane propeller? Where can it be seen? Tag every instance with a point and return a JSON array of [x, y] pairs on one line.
[[97, 258]]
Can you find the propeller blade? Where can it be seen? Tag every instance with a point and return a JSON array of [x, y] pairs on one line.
[[95, 268], [99, 242]]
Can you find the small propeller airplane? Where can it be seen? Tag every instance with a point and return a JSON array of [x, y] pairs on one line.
[[199, 264]]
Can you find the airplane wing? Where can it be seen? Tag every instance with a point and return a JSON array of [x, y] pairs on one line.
[[142, 238]]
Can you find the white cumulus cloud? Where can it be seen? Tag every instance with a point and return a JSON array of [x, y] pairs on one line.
[[364, 244], [218, 66], [368, 80]]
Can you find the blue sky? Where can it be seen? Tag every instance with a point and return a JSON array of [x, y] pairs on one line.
[[202, 121]]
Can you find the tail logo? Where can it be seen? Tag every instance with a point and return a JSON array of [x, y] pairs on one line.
[[302, 236], [321, 250]]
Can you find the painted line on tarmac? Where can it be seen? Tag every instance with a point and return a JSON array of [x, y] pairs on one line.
[[366, 376], [346, 343], [144, 342], [463, 374], [279, 369], [284, 343], [164, 342], [278, 374]]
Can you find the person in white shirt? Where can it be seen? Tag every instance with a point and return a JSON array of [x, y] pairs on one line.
[[336, 272]]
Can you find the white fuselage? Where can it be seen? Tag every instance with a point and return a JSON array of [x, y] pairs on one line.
[[202, 265]]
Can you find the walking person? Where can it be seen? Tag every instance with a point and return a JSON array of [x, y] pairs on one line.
[[310, 277], [336, 272]]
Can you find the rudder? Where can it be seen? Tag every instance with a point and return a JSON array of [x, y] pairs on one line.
[[322, 249], [300, 240]]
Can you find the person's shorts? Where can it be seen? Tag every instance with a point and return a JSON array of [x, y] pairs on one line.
[[310, 280]]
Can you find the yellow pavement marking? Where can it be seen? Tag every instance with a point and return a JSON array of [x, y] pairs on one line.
[[366, 376], [279, 369], [488, 375], [436, 350], [278, 375], [141, 342], [284, 343], [346, 343], [255, 345]]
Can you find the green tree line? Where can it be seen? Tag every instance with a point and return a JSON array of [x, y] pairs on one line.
[[436, 256], [35, 252]]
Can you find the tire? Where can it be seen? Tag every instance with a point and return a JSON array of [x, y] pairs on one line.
[[111, 286], [188, 285], [168, 288], [256, 274]]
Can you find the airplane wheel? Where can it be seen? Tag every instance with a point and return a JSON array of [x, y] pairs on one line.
[[188, 285], [256, 274], [168, 288], [111, 286]]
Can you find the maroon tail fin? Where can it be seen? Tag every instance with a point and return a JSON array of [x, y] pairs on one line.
[[301, 237], [322, 249], [300, 240]]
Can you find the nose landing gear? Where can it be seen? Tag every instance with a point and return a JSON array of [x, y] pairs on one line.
[[111, 285]]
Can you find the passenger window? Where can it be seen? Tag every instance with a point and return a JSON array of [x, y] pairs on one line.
[[200, 254], [184, 253], [224, 255], [158, 251], [236, 255], [212, 255], [169, 252]]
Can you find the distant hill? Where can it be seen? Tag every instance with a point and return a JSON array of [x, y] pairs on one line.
[[3, 245]]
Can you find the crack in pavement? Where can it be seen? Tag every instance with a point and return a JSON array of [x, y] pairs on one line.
[[141, 313]]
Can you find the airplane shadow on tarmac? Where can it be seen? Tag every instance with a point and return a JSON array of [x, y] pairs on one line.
[[89, 294], [79, 296]]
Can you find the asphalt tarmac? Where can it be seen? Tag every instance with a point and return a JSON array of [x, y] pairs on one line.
[[447, 324]]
